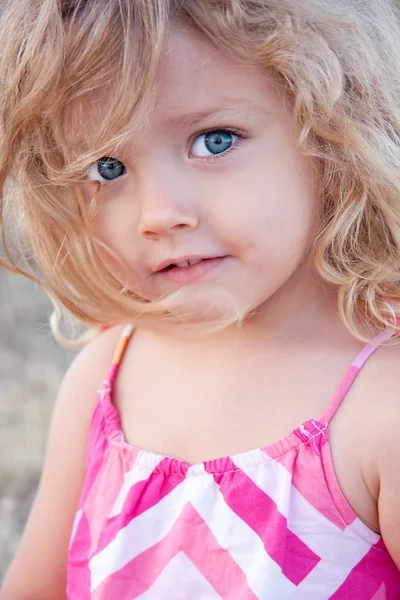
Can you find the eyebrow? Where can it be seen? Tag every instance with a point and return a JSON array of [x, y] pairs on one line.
[[232, 108]]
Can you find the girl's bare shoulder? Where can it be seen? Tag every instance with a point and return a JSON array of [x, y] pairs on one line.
[[93, 363], [378, 400]]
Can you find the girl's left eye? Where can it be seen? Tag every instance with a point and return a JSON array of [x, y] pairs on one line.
[[105, 169], [213, 143]]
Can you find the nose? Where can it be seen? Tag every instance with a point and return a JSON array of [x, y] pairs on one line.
[[166, 208]]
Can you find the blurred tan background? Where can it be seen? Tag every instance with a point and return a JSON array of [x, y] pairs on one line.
[[31, 368]]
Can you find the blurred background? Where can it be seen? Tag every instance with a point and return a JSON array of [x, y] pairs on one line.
[[32, 365]]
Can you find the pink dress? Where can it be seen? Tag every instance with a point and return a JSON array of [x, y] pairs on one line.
[[269, 524]]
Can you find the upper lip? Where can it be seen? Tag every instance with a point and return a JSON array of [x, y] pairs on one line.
[[172, 261]]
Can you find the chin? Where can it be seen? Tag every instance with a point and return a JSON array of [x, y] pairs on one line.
[[204, 309]]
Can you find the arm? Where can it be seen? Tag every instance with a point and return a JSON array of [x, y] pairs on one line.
[[38, 571], [389, 493]]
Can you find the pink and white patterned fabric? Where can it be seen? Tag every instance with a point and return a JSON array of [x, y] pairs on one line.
[[269, 524]]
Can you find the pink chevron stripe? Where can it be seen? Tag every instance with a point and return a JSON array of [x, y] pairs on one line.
[[141, 497], [320, 489], [336, 498], [380, 594], [97, 445], [260, 513], [138, 575], [78, 569], [366, 578], [102, 496], [214, 562]]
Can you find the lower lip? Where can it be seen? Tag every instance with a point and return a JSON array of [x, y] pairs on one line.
[[189, 274]]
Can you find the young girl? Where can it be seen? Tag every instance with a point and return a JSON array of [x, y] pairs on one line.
[[216, 184]]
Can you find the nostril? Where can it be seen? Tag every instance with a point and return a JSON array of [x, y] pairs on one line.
[[150, 235], [154, 225]]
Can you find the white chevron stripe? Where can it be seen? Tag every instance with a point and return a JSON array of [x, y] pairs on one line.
[[345, 551], [246, 548], [141, 533]]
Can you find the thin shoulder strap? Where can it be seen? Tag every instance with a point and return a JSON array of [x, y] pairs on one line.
[[352, 373], [119, 353]]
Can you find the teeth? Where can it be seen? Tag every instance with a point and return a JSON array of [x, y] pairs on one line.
[[188, 263]]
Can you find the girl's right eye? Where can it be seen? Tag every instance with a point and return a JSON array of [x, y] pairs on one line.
[[106, 169]]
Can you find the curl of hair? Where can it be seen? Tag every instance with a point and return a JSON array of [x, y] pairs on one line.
[[336, 59]]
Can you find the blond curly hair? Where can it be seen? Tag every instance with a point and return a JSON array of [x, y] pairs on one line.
[[339, 61]]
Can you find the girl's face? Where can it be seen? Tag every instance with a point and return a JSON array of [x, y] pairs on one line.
[[216, 177]]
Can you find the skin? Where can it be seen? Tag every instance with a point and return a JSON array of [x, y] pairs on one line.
[[198, 397]]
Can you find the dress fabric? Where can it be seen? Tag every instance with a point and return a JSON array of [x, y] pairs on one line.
[[269, 524]]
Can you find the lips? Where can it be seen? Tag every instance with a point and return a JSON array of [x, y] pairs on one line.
[[186, 263], [188, 270], [182, 262]]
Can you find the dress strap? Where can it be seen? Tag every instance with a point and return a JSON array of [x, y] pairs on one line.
[[352, 373], [119, 353]]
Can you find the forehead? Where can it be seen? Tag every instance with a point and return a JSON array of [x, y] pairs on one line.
[[194, 80], [194, 75]]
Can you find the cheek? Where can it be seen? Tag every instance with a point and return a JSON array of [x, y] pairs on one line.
[[276, 211], [115, 227], [114, 222]]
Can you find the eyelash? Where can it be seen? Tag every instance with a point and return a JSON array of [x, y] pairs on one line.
[[240, 135]]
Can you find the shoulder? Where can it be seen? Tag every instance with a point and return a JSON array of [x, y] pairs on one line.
[[94, 360], [380, 387], [379, 384], [379, 404], [376, 396], [89, 368], [77, 397], [79, 388]]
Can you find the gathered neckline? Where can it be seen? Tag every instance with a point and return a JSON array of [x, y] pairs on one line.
[[306, 432]]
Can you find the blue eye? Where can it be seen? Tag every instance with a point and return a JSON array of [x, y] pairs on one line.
[[106, 169], [213, 143]]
